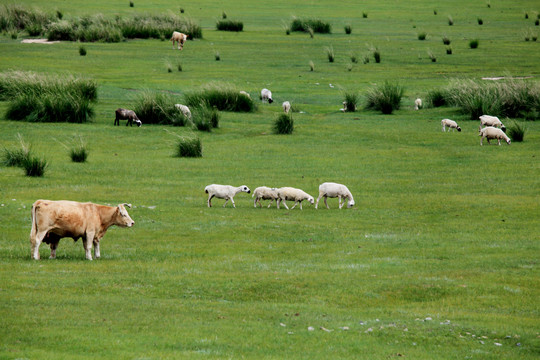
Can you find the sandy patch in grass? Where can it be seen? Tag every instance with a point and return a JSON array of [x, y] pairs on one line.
[[38, 41]]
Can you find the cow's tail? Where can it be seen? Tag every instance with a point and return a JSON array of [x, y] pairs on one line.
[[33, 231]]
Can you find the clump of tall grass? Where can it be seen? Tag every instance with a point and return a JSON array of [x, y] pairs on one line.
[[16, 157], [350, 101], [146, 26], [512, 98], [330, 53], [348, 29], [436, 98], [385, 98], [446, 40], [154, 107], [34, 166], [317, 25], [19, 17], [473, 44], [450, 20], [205, 118], [222, 96], [131, 4], [432, 56], [217, 56], [82, 50], [311, 66], [284, 124], [354, 58], [480, 21], [40, 98], [377, 55], [516, 131], [188, 146], [422, 35], [78, 151], [364, 14], [229, 25], [311, 32]]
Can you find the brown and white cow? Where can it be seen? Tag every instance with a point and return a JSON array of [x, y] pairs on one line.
[[179, 38], [53, 220], [125, 114]]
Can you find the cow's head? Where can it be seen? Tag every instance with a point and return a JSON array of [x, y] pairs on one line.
[[123, 219]]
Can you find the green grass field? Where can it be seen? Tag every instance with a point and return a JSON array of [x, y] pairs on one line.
[[437, 260]]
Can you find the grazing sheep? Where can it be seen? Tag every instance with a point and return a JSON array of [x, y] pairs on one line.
[[226, 192], [488, 120], [417, 104], [184, 109], [266, 95], [125, 114], [296, 195], [286, 107], [264, 193], [179, 38], [245, 94], [451, 124], [333, 190], [490, 132]]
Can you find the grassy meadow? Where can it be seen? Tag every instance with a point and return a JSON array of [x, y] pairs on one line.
[[437, 260]]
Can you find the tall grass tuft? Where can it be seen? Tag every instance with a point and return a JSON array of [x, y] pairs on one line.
[[222, 96], [377, 55], [364, 14], [131, 4], [432, 56], [284, 124], [189, 146], [16, 157], [229, 25], [450, 20], [154, 107], [317, 25], [34, 166], [350, 101], [449, 50], [82, 50], [18, 18], [436, 98], [205, 118], [217, 56], [311, 66], [473, 44], [348, 29], [446, 40], [385, 98], [79, 151], [330, 53], [422, 36], [516, 131], [480, 21]]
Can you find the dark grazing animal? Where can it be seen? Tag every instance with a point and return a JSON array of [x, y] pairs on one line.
[[129, 115]]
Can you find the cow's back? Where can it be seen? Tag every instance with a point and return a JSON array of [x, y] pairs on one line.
[[64, 218]]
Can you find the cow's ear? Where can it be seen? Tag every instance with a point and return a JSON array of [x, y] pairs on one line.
[[128, 205]]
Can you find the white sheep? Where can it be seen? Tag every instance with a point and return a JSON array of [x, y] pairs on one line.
[[266, 95], [490, 132], [226, 192], [264, 193], [488, 120], [286, 107], [292, 194], [417, 104], [333, 190], [245, 94], [184, 109], [451, 124]]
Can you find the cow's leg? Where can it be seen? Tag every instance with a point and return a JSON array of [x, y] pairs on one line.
[[87, 244], [53, 245], [97, 254], [35, 244]]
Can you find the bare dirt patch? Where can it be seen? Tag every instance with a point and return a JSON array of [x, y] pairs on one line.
[[38, 41]]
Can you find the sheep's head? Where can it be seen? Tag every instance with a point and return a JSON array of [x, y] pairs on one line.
[[270, 100], [245, 189], [508, 141], [350, 204], [458, 128], [138, 122], [311, 200]]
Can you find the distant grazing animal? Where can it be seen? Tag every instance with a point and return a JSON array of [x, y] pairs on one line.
[[451, 124], [344, 108], [488, 120], [179, 38], [53, 220], [129, 115], [245, 94], [292, 194], [286, 107], [226, 192], [417, 104], [264, 193], [184, 110], [333, 190], [490, 132], [266, 95]]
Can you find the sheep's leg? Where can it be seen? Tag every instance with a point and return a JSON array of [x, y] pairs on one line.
[[255, 203], [232, 200], [325, 203], [270, 204], [443, 128], [296, 203], [210, 200], [284, 204], [226, 201], [340, 204], [499, 142]]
